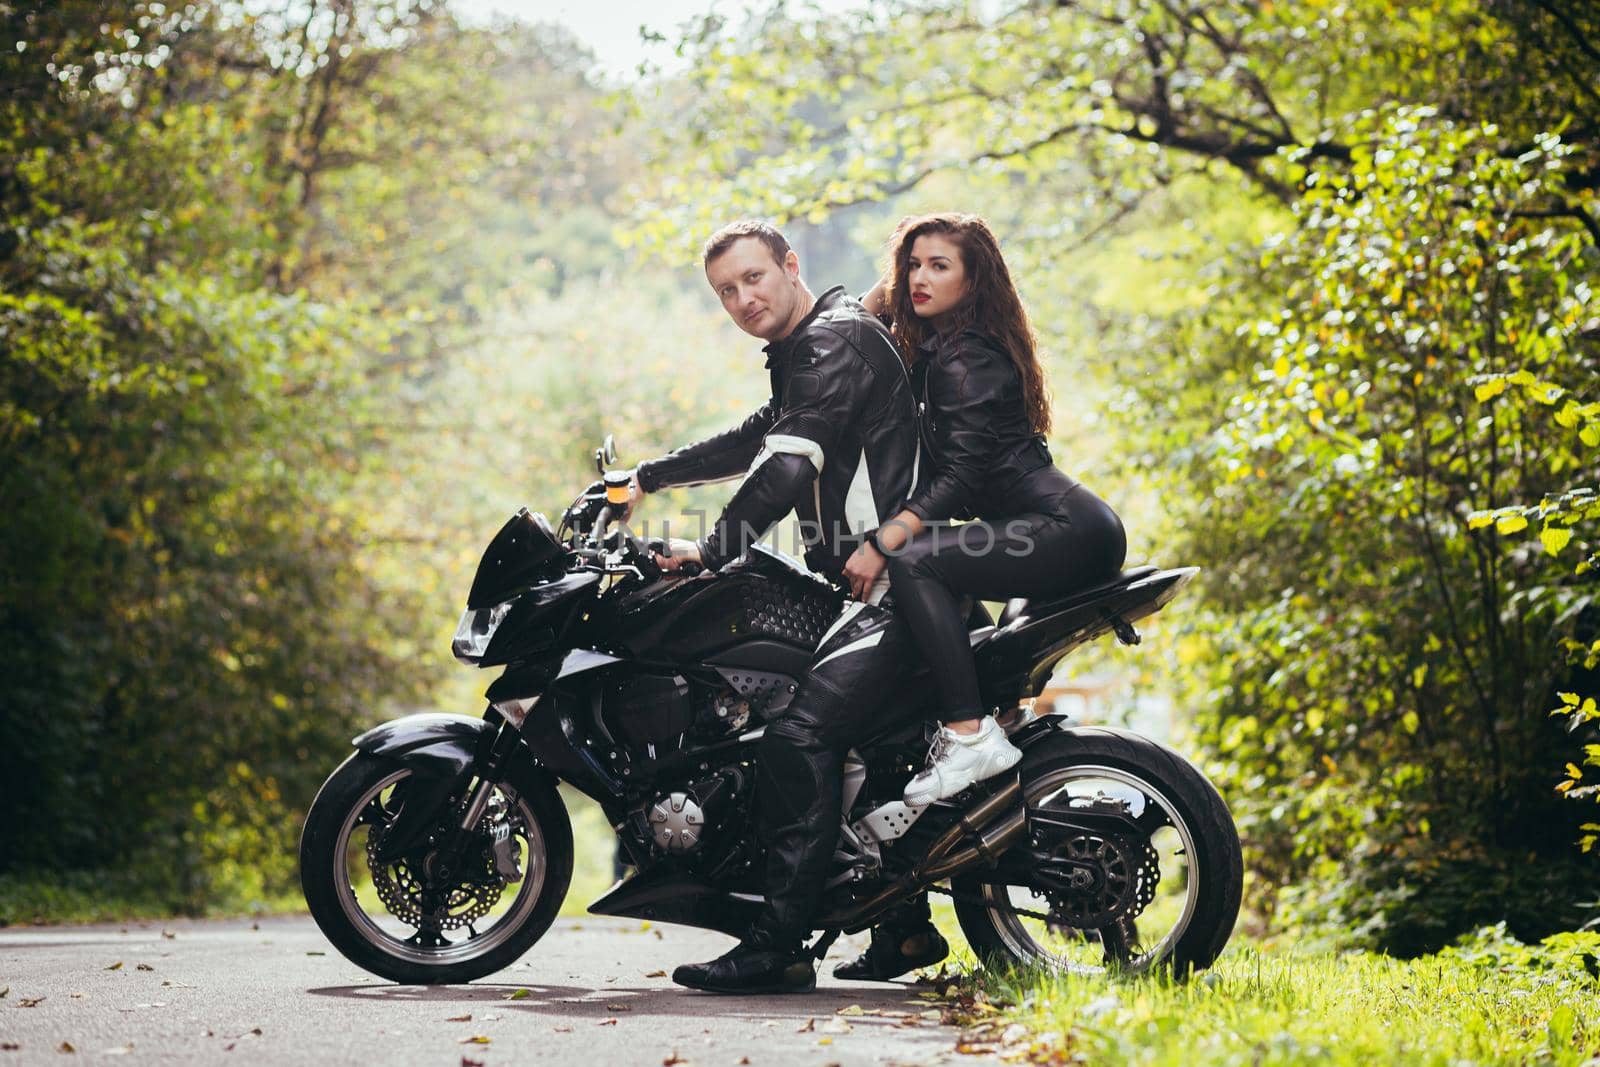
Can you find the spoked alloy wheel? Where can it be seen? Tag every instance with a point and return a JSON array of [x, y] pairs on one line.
[[1165, 896], [404, 921]]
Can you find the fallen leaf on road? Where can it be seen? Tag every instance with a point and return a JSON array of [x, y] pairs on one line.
[[673, 1058], [743, 1060], [837, 1026], [851, 1009], [143, 967], [657, 933], [650, 974], [66, 1046], [475, 1039], [460, 1018], [518, 994], [931, 1016], [468, 1061], [607, 1022], [176, 985], [6, 992], [168, 934], [824, 1040], [9, 1046], [76, 996], [316, 953], [30, 1002], [618, 1007], [811, 1024], [115, 966], [563, 1029]]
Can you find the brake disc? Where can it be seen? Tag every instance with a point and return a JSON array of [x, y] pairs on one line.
[[1130, 870], [408, 899]]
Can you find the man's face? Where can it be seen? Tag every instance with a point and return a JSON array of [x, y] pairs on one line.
[[760, 294]]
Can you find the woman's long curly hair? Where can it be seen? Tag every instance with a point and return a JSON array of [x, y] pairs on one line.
[[990, 304]]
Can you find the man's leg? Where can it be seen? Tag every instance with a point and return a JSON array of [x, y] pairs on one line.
[[800, 782], [902, 941]]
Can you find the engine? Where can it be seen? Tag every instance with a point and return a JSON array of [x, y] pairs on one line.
[[656, 714], [661, 724], [681, 820]]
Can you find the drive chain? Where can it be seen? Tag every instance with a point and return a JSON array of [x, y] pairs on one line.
[[963, 898]]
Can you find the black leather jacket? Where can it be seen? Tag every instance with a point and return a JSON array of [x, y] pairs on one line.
[[984, 459], [836, 442]]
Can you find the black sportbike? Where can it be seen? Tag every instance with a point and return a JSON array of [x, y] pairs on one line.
[[440, 851]]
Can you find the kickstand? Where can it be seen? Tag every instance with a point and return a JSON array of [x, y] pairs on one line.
[[820, 947]]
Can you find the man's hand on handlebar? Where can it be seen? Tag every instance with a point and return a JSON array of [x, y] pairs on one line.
[[679, 554]]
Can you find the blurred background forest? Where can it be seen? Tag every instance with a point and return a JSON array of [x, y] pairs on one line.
[[300, 299]]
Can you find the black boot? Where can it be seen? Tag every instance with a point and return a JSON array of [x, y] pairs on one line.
[[894, 952], [754, 965]]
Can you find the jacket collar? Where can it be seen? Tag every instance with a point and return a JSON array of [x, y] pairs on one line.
[[780, 349]]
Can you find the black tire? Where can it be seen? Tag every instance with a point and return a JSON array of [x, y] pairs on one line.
[[324, 877], [1214, 875]]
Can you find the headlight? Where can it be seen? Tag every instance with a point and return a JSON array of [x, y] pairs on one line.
[[476, 630], [515, 711]]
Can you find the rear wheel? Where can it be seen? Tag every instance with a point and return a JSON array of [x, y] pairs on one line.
[[399, 921], [1163, 894]]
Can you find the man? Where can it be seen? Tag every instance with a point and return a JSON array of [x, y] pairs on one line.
[[836, 443]]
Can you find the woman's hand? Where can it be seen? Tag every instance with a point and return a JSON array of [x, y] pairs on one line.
[[679, 552], [863, 569]]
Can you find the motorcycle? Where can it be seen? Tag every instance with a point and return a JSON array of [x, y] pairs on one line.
[[440, 851]]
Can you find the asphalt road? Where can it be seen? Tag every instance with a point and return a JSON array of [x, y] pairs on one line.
[[593, 992]]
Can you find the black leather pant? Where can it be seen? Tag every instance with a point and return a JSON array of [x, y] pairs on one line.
[[800, 776], [1074, 541]]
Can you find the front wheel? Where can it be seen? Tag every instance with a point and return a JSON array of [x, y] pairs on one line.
[[399, 919], [1155, 885]]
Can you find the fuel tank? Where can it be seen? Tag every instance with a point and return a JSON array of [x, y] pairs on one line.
[[764, 612]]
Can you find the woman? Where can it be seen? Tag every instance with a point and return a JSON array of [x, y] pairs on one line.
[[1038, 533]]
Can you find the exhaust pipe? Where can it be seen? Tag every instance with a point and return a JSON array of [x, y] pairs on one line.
[[979, 836], [944, 855]]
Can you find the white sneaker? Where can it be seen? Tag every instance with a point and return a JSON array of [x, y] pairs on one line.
[[957, 760]]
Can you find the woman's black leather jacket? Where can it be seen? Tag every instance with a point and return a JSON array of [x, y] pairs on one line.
[[976, 437]]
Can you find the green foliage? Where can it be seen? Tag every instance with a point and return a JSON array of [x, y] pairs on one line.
[[222, 305], [1379, 662]]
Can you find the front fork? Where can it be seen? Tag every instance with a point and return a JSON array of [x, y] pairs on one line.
[[418, 817]]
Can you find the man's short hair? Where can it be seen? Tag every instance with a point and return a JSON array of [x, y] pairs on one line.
[[734, 232]]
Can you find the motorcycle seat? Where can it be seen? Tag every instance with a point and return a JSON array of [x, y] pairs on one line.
[[1017, 607]]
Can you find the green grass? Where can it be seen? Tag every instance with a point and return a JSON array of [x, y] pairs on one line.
[[1268, 1007]]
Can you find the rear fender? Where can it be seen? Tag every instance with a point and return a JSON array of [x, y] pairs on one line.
[[1039, 729]]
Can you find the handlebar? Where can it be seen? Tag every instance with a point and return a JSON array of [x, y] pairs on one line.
[[594, 545]]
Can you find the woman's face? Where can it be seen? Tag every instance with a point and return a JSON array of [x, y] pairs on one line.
[[935, 276]]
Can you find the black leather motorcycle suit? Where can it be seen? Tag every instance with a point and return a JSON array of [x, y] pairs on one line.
[[837, 443], [1039, 532]]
